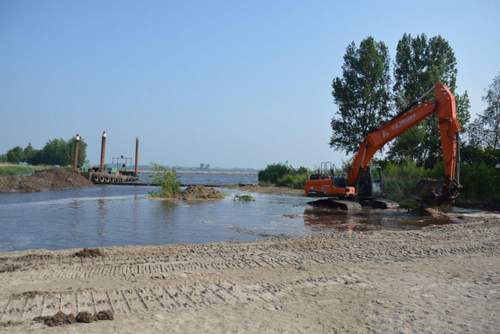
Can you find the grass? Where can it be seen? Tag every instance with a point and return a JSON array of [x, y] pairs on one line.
[[21, 170]]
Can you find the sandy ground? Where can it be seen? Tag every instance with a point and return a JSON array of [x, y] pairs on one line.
[[441, 279]]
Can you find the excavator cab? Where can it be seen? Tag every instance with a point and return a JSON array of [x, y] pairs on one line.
[[370, 183]]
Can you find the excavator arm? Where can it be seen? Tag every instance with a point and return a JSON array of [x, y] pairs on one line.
[[449, 126]]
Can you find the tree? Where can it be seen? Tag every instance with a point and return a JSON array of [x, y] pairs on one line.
[[15, 155], [490, 119], [362, 94], [29, 153], [420, 63], [82, 150], [56, 152]]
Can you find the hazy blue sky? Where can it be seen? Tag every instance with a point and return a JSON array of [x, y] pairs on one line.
[[229, 83]]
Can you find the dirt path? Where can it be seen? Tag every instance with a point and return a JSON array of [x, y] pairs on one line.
[[440, 279]]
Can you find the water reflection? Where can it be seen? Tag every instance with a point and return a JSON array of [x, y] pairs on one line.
[[102, 213], [323, 219]]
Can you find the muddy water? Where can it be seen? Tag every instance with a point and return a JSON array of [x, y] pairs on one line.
[[125, 215]]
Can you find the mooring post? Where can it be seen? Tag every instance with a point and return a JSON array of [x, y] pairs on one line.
[[136, 166], [103, 151], [76, 151]]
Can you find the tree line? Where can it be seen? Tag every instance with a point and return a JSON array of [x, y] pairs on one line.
[[55, 152], [368, 94]]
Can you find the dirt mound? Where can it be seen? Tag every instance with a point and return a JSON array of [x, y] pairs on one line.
[[51, 179], [89, 252], [57, 319], [85, 317], [60, 318], [104, 315], [198, 192]]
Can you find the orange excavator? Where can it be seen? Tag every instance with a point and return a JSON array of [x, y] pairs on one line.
[[364, 182]]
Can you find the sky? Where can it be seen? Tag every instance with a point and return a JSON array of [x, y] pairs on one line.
[[229, 83]]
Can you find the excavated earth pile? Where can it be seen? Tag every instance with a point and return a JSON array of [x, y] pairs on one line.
[[52, 179], [198, 192]]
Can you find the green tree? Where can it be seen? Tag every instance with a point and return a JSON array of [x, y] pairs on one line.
[[420, 63], [15, 155], [488, 124], [362, 94], [82, 151], [56, 152], [29, 152]]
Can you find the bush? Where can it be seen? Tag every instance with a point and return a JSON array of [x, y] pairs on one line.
[[272, 173], [167, 180], [284, 175], [480, 181], [243, 198], [400, 180], [296, 181]]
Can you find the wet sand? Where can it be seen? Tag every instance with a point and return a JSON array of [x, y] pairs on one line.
[[443, 279]]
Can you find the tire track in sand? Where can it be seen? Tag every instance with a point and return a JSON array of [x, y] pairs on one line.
[[159, 298]]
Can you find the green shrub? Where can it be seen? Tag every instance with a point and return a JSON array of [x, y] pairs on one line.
[[296, 181], [284, 175], [243, 198], [167, 180], [400, 180], [272, 173], [480, 181]]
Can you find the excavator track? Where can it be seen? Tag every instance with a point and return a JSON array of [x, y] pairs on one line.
[[379, 203], [333, 203]]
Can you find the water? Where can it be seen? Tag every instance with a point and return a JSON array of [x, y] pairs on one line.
[[217, 178], [125, 215]]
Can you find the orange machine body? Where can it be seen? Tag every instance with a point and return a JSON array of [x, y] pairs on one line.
[[325, 186], [444, 105]]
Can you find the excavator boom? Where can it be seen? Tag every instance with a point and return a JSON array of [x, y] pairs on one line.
[[445, 106]]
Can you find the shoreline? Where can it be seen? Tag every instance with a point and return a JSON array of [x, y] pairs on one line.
[[440, 278]]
